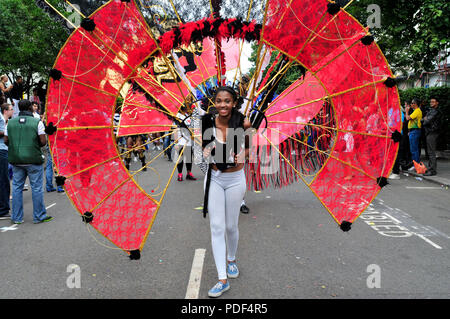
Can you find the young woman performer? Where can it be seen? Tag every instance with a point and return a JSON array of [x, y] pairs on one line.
[[226, 147]]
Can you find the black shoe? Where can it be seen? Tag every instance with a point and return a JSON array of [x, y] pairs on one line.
[[5, 215], [45, 220], [429, 173], [191, 177], [407, 166], [245, 209]]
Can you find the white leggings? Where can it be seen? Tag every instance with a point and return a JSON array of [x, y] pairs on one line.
[[226, 192]]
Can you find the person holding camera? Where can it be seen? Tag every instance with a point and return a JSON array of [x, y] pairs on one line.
[[414, 129]]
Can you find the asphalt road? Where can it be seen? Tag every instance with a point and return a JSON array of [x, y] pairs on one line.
[[290, 248]]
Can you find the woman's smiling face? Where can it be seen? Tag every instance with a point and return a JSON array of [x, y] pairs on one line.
[[224, 103]]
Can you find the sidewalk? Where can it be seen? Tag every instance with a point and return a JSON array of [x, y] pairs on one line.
[[443, 169]]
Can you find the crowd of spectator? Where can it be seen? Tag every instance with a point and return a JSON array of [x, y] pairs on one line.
[[23, 142]]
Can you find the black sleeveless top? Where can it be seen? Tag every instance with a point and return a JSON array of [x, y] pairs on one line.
[[222, 153]]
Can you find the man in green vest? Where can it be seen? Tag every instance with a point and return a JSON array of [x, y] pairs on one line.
[[25, 135]]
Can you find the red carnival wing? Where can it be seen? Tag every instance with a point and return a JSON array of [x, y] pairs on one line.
[[330, 128]]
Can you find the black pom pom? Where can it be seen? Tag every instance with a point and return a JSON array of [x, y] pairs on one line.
[[235, 25], [382, 181], [390, 82], [50, 129], [345, 226], [87, 217], [333, 8], [60, 180], [397, 136], [206, 30], [135, 254], [88, 24], [367, 40], [255, 34], [177, 39], [55, 74], [258, 29]]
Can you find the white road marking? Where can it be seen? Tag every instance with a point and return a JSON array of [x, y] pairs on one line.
[[195, 278], [406, 227], [5, 229], [394, 219], [428, 241], [423, 187]]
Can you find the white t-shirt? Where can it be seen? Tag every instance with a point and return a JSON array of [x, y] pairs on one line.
[[41, 129], [2, 128], [183, 135], [116, 122]]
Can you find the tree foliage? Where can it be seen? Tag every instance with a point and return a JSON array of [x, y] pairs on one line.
[[293, 73], [411, 33], [30, 40]]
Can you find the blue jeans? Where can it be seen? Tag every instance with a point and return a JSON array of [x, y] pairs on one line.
[[49, 174], [414, 140], [4, 183], [166, 143], [35, 174]]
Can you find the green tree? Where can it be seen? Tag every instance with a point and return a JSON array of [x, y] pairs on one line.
[[294, 72], [29, 41], [411, 32]]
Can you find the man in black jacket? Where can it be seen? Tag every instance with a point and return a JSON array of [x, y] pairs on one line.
[[432, 124]]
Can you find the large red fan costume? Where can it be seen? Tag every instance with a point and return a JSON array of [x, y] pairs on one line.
[[334, 127]]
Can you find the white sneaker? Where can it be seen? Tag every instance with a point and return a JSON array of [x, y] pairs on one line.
[[394, 176], [232, 270], [412, 169], [218, 289]]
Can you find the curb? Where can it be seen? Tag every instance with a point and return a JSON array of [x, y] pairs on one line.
[[432, 180]]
